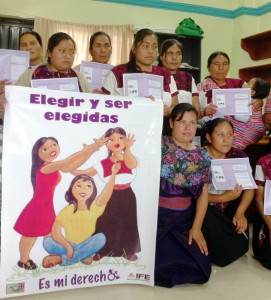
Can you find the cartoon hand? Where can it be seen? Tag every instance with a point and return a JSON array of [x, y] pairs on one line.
[[69, 251], [129, 141], [115, 168], [101, 141]]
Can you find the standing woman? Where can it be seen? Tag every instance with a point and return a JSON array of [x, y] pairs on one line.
[[31, 41], [170, 58], [142, 56], [60, 51], [225, 225], [181, 250]]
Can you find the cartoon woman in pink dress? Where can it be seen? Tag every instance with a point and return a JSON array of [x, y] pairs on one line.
[[38, 216], [119, 221]]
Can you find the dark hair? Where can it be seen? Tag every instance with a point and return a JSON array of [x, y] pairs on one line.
[[167, 44], [36, 160], [261, 88], [111, 131], [179, 110], [212, 124], [139, 37], [96, 34], [70, 197], [55, 39], [34, 33], [214, 55]]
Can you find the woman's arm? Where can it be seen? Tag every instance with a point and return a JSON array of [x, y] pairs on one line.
[[226, 196], [59, 238], [72, 162], [129, 158], [195, 232], [239, 219], [106, 194]]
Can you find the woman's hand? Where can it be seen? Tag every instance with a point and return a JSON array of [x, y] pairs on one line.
[[210, 109], [256, 103], [167, 110], [231, 195], [70, 251], [3, 83], [198, 237], [240, 221]]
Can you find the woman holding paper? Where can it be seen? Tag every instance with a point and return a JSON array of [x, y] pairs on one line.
[[142, 57], [225, 225], [246, 133], [261, 240], [60, 51], [181, 250]]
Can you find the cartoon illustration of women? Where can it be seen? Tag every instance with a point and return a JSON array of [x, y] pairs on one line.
[[38, 216], [119, 221], [78, 220]]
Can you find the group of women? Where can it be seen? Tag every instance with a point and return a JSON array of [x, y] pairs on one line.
[[197, 225]]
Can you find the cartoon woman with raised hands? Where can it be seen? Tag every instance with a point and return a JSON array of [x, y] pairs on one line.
[[38, 216], [78, 220], [119, 221]]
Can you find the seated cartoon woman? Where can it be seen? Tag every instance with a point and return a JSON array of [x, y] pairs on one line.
[[78, 220]]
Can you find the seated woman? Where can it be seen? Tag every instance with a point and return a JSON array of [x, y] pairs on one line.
[[225, 225], [60, 51], [261, 241], [31, 41], [78, 220], [181, 250], [142, 56], [246, 133], [170, 58]]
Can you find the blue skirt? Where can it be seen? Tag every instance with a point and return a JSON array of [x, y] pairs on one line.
[[176, 261]]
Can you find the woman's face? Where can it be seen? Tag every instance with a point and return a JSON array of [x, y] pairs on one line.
[[82, 190], [219, 68], [221, 139], [101, 49], [146, 51], [62, 56], [184, 130], [172, 58], [116, 142], [29, 42], [49, 151]]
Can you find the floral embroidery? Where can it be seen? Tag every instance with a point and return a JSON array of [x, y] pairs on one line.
[[184, 168]]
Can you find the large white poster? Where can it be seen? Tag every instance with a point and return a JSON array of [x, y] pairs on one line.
[[61, 229]]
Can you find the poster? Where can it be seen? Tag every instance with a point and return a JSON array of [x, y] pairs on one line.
[[74, 120]]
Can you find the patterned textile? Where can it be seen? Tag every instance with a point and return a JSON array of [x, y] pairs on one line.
[[184, 81], [263, 170]]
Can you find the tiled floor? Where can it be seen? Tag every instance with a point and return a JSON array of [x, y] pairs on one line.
[[243, 279]]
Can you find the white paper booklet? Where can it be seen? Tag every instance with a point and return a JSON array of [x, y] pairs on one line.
[[95, 73], [232, 101], [61, 84], [143, 85], [226, 173], [13, 63], [267, 198]]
